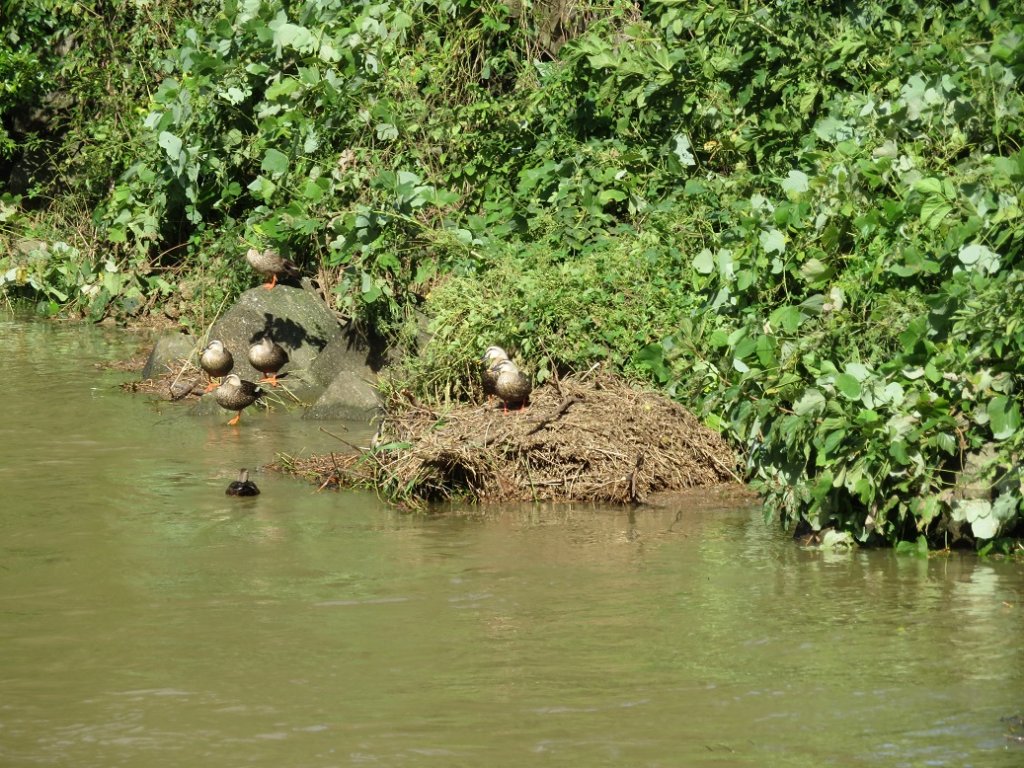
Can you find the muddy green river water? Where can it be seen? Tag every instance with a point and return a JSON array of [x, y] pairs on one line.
[[146, 619]]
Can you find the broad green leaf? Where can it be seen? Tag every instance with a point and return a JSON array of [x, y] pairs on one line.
[[722, 62], [868, 416], [815, 273], [898, 451], [979, 258], [833, 539], [813, 304], [857, 370], [660, 57], [795, 183], [811, 403], [912, 94], [744, 350], [274, 162], [652, 357], [369, 288], [929, 186], [946, 442], [848, 385], [386, 132], [773, 241], [893, 394], [262, 188], [603, 60], [787, 319], [832, 439], [1004, 417], [234, 95], [832, 129], [328, 52], [933, 211], [312, 191], [1005, 506], [170, 144], [425, 271], [682, 150], [609, 195], [766, 352], [979, 514], [726, 264], [288, 35], [807, 99], [284, 87], [704, 262]]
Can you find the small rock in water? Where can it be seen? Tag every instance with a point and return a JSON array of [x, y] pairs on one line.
[[243, 486]]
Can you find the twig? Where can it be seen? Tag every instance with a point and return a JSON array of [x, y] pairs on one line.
[[714, 460], [332, 477], [415, 403], [342, 440], [556, 382], [632, 477]]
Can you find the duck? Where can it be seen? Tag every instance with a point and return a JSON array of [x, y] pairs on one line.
[[217, 361], [511, 385], [243, 486], [489, 377], [236, 394], [270, 262], [267, 358]]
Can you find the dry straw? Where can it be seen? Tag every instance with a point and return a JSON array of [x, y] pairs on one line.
[[589, 437]]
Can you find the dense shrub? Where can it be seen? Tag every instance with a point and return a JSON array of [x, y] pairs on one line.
[[802, 219]]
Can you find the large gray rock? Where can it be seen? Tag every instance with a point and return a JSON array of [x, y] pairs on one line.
[[169, 353], [345, 368], [350, 396], [330, 367], [296, 319]]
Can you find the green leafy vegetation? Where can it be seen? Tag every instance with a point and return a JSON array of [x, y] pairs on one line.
[[802, 220]]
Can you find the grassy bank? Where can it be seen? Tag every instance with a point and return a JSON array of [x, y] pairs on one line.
[[802, 221]]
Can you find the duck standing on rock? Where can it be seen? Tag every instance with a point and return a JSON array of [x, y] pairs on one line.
[[512, 386], [236, 394], [270, 262], [243, 486], [267, 358], [217, 361], [489, 377]]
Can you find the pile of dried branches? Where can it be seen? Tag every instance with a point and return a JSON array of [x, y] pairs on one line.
[[189, 381], [584, 438]]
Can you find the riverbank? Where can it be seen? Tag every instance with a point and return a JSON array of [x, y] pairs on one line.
[[802, 222]]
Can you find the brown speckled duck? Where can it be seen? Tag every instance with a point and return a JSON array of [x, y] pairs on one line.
[[243, 486], [236, 394], [489, 377], [217, 361], [511, 385], [270, 262], [267, 358]]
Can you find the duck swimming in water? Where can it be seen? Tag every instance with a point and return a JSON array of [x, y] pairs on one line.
[[217, 361], [243, 486], [267, 358], [512, 386], [270, 262], [236, 394]]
